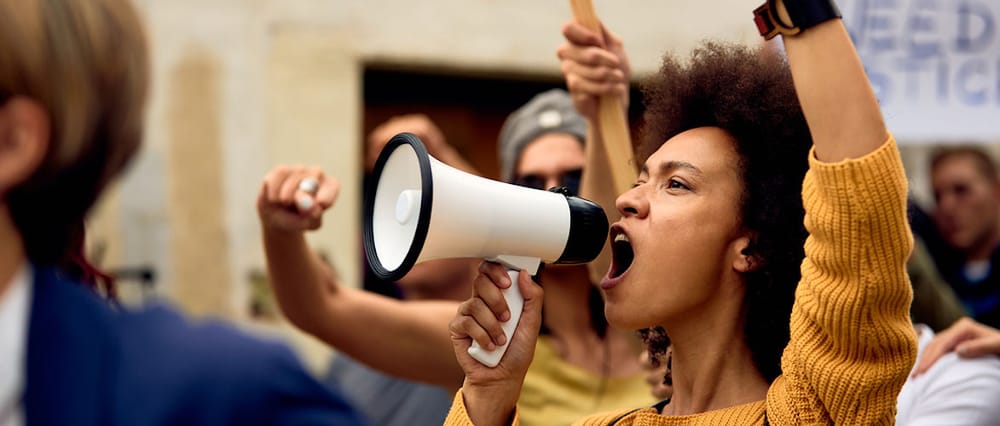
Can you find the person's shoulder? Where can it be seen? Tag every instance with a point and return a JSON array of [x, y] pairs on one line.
[[165, 336], [53, 291], [66, 314], [955, 369], [209, 366], [953, 388]]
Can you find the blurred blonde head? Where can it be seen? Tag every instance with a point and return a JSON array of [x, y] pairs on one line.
[[84, 65]]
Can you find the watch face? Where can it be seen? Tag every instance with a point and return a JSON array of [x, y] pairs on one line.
[[769, 24], [765, 24]]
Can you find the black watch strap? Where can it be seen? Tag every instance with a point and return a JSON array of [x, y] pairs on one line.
[[803, 14]]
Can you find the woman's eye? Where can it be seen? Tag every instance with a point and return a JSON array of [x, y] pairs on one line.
[[676, 184]]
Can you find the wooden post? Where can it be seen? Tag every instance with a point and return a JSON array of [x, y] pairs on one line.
[[612, 123]]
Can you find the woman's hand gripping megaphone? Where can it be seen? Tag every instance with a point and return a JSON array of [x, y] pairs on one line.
[[293, 198], [481, 319]]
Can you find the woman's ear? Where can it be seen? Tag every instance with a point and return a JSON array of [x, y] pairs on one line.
[[744, 259], [24, 140]]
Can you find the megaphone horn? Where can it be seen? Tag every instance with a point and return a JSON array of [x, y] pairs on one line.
[[417, 208]]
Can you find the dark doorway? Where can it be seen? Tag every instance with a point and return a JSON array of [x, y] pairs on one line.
[[469, 109]]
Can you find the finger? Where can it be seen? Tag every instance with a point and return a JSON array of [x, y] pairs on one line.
[[465, 328], [529, 289], [309, 184], [459, 334], [273, 182], [496, 272], [611, 40], [329, 189], [576, 33], [486, 319], [597, 74], [592, 56], [531, 313], [943, 342], [579, 85], [979, 347], [488, 285], [933, 352], [304, 203], [306, 190], [290, 186], [592, 71]]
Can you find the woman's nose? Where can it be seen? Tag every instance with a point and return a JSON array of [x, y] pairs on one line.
[[630, 203]]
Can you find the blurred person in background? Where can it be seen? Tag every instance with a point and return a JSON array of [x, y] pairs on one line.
[[967, 213], [934, 301], [946, 387], [966, 339], [73, 84], [370, 390], [580, 365]]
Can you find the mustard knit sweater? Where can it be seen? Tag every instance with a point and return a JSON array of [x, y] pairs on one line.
[[852, 343]]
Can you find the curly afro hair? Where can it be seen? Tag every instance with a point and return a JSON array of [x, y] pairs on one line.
[[748, 93]]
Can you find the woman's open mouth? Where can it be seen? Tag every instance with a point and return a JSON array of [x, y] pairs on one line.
[[622, 256]]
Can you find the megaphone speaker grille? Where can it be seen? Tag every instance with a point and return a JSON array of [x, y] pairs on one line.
[[398, 207]]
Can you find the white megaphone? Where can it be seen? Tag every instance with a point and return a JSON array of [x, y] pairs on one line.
[[417, 208]]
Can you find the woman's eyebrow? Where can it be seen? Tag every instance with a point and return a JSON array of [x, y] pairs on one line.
[[669, 166]]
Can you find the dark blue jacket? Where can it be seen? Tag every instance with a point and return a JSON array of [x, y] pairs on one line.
[[89, 364]]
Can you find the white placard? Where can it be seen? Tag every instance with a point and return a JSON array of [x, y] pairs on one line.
[[934, 64]]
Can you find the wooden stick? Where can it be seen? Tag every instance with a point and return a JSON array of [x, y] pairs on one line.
[[611, 117]]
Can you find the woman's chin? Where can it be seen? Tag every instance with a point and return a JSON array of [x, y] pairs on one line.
[[622, 317]]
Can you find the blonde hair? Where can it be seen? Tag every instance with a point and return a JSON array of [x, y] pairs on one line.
[[85, 62]]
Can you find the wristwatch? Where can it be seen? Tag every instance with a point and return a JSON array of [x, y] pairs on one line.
[[802, 13]]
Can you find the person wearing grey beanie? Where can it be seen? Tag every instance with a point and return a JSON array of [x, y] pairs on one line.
[[581, 363], [547, 114], [541, 145]]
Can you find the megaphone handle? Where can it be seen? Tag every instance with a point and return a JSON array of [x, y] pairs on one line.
[[515, 302]]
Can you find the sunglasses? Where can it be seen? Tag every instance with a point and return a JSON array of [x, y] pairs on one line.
[[569, 180]]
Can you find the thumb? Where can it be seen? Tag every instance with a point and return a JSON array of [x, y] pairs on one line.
[[611, 41], [533, 294]]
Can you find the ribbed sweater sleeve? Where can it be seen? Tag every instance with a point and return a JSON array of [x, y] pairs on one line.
[[852, 343]]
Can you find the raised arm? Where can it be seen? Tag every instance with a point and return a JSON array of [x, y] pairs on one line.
[[852, 343], [404, 339], [837, 99]]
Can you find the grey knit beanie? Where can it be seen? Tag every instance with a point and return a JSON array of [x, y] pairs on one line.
[[551, 111]]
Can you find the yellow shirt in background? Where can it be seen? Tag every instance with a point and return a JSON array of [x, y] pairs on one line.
[[556, 393]]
